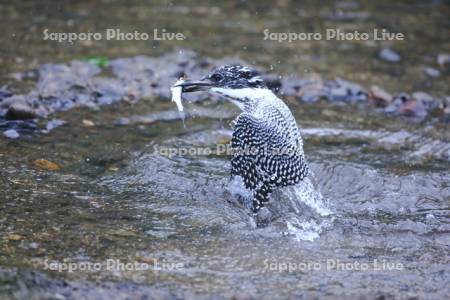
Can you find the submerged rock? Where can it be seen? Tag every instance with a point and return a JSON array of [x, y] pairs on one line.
[[54, 123], [389, 55], [432, 72]]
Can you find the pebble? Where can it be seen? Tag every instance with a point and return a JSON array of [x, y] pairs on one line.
[[88, 123], [405, 105], [11, 133], [389, 55], [432, 72], [379, 97], [428, 100], [54, 123], [344, 90], [20, 111], [443, 59]]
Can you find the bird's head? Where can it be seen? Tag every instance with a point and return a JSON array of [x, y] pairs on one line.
[[240, 84]]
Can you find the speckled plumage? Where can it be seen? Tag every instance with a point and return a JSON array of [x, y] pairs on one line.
[[267, 148]]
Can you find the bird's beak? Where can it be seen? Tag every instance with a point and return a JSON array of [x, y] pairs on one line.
[[195, 85]]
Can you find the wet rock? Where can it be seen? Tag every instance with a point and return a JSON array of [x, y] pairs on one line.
[[405, 105], [443, 59], [11, 133], [108, 91], [389, 55], [61, 87], [20, 126], [379, 97], [54, 123], [4, 94], [427, 100], [307, 90], [432, 72], [20, 111], [394, 141], [343, 90]]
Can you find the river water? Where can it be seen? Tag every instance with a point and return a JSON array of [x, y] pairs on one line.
[[373, 222]]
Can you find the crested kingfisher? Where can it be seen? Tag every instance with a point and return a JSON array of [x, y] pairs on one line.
[[267, 148]]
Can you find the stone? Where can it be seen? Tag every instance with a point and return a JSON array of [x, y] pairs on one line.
[[389, 55], [11, 133], [20, 111], [379, 97]]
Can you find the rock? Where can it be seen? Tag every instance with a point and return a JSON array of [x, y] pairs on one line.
[[343, 90], [389, 55], [108, 90], [340, 15], [20, 126], [428, 100], [11, 133], [44, 164], [15, 237], [54, 123], [432, 72], [4, 94], [20, 111], [88, 123], [307, 90], [33, 245], [379, 97], [405, 105], [443, 59]]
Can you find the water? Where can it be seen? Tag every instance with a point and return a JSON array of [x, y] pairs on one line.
[[373, 220]]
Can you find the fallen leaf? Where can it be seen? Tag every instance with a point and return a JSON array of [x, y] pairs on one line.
[[46, 165]]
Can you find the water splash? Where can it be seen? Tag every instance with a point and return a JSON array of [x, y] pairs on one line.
[[300, 210], [307, 193], [303, 231]]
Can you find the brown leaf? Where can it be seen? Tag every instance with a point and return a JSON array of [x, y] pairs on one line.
[[44, 164]]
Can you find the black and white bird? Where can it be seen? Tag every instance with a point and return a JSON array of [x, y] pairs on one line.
[[266, 144]]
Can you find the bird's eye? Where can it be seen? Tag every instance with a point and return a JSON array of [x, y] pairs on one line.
[[216, 77]]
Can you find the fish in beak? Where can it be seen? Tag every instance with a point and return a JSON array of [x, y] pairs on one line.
[[189, 86]]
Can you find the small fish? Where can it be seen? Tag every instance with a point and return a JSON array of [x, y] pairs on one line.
[[176, 96]]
